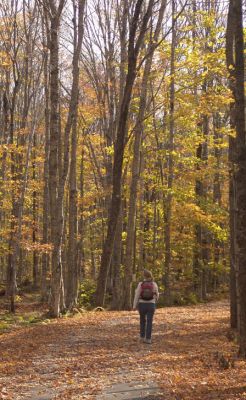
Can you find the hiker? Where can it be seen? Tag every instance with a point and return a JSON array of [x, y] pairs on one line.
[[146, 296]]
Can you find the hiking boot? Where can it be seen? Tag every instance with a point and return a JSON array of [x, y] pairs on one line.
[[141, 339], [148, 341]]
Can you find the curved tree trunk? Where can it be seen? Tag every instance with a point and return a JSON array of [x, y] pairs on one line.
[[135, 173], [133, 51]]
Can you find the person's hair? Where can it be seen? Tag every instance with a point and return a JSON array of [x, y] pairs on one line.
[[148, 274]]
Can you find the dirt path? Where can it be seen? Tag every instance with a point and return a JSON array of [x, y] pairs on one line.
[[81, 358]]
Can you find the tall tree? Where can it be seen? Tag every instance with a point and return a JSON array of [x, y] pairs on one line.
[[230, 59], [235, 53], [45, 233], [135, 173], [58, 175], [73, 272], [134, 45], [170, 165], [54, 13]]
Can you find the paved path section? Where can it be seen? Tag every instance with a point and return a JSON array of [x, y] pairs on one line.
[[131, 380], [40, 393], [131, 391], [97, 356]]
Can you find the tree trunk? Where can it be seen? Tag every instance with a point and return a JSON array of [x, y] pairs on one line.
[[133, 51], [235, 8], [45, 239], [170, 173], [214, 282], [131, 223], [81, 252], [34, 208], [57, 183], [72, 276], [116, 303], [73, 273], [234, 306], [141, 254], [56, 267]]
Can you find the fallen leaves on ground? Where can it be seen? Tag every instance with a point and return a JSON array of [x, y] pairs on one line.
[[77, 358]]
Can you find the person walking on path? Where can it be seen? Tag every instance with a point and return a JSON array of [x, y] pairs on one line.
[[146, 296]]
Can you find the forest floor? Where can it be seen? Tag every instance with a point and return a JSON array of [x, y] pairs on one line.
[[191, 357]]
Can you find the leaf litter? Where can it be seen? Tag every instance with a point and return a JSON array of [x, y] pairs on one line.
[[79, 358]]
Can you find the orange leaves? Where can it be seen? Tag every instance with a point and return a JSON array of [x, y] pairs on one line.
[[3, 393], [79, 357]]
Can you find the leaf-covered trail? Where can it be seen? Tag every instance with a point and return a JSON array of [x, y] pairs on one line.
[[78, 358]]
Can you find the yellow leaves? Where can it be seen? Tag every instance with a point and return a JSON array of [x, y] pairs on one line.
[[109, 150], [88, 113], [195, 214], [214, 100], [5, 60], [194, 210], [36, 246]]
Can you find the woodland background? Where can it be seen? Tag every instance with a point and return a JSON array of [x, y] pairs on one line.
[[120, 150]]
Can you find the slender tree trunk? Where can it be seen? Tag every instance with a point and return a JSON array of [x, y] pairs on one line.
[[13, 245], [206, 238], [131, 223], [116, 262], [141, 256], [169, 197], [57, 183], [34, 208], [4, 140], [133, 51], [93, 263], [56, 272], [73, 275], [213, 284], [81, 255], [234, 305], [17, 211], [45, 239]]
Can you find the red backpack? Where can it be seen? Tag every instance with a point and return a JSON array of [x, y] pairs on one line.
[[147, 290]]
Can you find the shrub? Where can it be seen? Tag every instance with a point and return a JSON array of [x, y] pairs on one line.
[[191, 298], [86, 293]]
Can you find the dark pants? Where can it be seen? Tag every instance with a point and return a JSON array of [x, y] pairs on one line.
[[146, 311]]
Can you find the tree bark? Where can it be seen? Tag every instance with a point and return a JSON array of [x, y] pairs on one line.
[[73, 275], [116, 303], [35, 222], [170, 173], [133, 51], [135, 172], [57, 183], [234, 305], [240, 173], [45, 238], [56, 266]]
